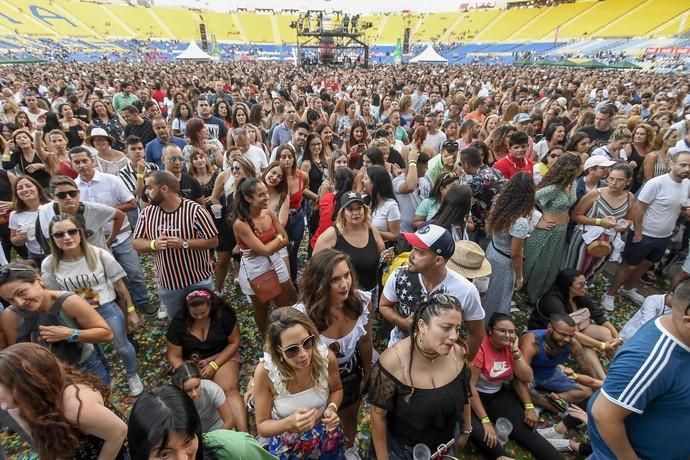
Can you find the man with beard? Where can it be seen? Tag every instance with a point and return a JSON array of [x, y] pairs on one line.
[[426, 273], [655, 212], [180, 233]]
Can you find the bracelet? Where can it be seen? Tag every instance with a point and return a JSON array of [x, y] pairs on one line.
[[467, 431], [214, 365], [529, 406], [279, 237], [602, 346], [575, 376], [152, 245], [486, 420], [597, 221], [332, 405], [131, 309], [140, 175], [411, 163]]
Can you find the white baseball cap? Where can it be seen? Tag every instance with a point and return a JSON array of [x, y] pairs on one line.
[[598, 160]]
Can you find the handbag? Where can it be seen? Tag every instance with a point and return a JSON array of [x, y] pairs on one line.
[[599, 248], [582, 318], [266, 286]]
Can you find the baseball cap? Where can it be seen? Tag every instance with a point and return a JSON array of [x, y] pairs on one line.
[[521, 118], [598, 160], [432, 238], [349, 198]]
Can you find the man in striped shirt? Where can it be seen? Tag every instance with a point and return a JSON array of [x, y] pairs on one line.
[[643, 409], [132, 174], [181, 234]]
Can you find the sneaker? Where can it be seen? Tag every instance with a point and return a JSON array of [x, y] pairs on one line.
[[633, 295], [561, 445], [162, 312], [352, 454], [549, 433], [135, 385], [608, 302]]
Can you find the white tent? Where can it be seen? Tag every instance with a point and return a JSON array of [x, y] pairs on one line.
[[429, 55], [193, 53]]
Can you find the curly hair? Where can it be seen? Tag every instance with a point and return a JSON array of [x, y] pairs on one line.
[[563, 172], [315, 288], [515, 200], [37, 381], [497, 137]]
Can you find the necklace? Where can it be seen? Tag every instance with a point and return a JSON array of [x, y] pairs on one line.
[[429, 355]]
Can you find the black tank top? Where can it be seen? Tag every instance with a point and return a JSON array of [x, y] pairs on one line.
[[364, 260]]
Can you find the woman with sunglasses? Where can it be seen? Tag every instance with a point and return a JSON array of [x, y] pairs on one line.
[[429, 207], [340, 312], [30, 300], [420, 387], [297, 391], [94, 274], [67, 412], [593, 330], [206, 331], [548, 160], [497, 362], [28, 196]]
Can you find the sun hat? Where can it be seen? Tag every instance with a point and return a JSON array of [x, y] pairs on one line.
[[468, 260], [99, 132]]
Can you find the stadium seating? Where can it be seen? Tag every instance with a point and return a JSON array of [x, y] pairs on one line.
[[643, 19]]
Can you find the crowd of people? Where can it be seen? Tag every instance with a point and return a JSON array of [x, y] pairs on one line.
[[425, 199]]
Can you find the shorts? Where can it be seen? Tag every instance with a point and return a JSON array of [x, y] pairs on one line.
[[253, 266], [649, 248], [226, 237], [351, 375], [557, 382]]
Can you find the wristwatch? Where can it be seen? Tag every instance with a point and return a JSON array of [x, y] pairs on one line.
[[185, 244], [74, 337]]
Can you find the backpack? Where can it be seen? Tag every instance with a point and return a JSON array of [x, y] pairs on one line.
[[68, 352], [45, 242]]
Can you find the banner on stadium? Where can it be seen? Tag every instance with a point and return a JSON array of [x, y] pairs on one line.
[[669, 50]]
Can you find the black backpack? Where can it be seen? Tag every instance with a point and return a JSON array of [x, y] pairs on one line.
[[45, 242]]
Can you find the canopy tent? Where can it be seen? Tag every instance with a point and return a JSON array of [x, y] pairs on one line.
[[429, 55], [625, 65], [193, 53]]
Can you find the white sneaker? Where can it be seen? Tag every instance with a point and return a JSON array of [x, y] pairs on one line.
[[162, 312], [352, 454], [608, 302], [549, 433], [135, 385], [561, 445], [633, 295]]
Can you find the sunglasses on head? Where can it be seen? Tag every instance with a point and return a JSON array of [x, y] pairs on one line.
[[7, 270], [61, 234], [70, 193], [450, 146], [293, 350]]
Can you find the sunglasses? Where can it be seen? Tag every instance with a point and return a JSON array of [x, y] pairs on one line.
[[450, 146], [7, 270], [235, 168], [293, 350], [70, 193], [554, 155], [60, 234]]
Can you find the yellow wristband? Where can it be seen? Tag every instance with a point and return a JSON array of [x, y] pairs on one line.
[[485, 420], [597, 221], [214, 365], [412, 163], [529, 406], [279, 237], [131, 309], [602, 346], [152, 245], [575, 376], [333, 405], [140, 175]]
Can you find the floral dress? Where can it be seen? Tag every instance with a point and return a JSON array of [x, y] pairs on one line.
[[317, 443]]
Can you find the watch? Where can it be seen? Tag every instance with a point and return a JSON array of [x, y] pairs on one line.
[[74, 337], [185, 244]]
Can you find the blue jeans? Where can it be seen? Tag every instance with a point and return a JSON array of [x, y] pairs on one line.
[[128, 258], [295, 232], [94, 366], [173, 299], [112, 314], [133, 216]]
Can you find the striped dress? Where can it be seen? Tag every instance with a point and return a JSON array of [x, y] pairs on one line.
[[661, 166], [576, 255]]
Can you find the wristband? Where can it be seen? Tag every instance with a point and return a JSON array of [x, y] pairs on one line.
[[411, 163], [467, 431], [332, 405], [575, 376], [131, 309], [152, 245], [602, 346], [486, 420], [140, 175], [279, 237], [214, 365], [597, 221], [529, 406]]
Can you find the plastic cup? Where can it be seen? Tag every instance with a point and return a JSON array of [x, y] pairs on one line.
[[217, 210], [422, 452], [503, 429]]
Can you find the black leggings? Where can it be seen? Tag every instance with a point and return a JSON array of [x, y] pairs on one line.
[[505, 403]]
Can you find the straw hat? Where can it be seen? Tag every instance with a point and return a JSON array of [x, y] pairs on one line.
[[99, 132], [468, 260]]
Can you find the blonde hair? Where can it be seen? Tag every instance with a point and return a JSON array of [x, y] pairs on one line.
[[340, 218], [87, 249]]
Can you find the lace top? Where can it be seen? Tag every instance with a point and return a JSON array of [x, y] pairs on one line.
[[286, 403], [424, 415], [348, 343], [553, 200]]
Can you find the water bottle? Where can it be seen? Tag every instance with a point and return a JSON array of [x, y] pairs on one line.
[[503, 430], [421, 452]]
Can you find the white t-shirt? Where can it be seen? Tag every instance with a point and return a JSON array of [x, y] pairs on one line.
[[603, 151], [257, 157], [541, 148], [388, 211], [26, 221], [407, 203], [95, 214], [652, 307], [211, 398], [96, 286], [435, 141], [664, 197]]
